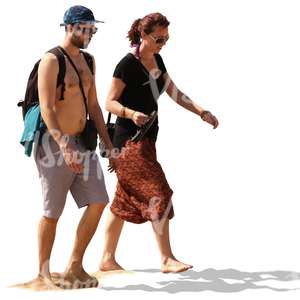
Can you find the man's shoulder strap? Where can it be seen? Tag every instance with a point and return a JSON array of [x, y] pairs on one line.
[[62, 69], [62, 64]]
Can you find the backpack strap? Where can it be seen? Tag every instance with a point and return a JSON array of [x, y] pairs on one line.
[[62, 70]]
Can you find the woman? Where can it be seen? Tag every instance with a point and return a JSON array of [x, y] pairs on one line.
[[143, 193]]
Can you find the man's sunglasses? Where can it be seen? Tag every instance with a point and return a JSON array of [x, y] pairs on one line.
[[86, 30], [159, 40]]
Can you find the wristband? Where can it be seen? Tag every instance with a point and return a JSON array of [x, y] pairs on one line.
[[123, 112]]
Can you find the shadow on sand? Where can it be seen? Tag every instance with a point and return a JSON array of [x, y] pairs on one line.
[[216, 281]]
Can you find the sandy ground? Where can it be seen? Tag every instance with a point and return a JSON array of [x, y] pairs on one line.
[[59, 284], [151, 280]]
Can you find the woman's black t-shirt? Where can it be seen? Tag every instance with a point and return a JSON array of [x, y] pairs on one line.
[[141, 93]]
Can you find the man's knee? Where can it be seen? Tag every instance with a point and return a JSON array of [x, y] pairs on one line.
[[50, 220]]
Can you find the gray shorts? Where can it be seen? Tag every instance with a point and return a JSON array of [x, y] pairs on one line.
[[57, 178]]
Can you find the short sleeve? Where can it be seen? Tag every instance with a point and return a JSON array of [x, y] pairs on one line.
[[122, 70], [161, 64]]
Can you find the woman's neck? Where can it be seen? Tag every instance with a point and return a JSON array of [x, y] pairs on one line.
[[144, 53]]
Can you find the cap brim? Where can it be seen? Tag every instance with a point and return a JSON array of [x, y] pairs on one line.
[[92, 22]]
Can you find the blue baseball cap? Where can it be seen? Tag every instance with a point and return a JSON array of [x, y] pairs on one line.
[[79, 14]]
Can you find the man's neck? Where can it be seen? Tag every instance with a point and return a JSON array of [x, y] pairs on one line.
[[71, 49]]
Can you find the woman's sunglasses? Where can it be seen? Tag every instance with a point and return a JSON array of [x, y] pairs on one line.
[[159, 40]]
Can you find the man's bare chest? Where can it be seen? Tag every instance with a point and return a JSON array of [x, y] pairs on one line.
[[72, 79]]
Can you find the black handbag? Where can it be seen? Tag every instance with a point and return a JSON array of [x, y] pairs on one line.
[[110, 127], [89, 135]]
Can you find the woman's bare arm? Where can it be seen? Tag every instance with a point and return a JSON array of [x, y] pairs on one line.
[[183, 100], [114, 106]]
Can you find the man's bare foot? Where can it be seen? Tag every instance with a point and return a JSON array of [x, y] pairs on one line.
[[39, 284], [110, 265], [75, 278], [171, 264]]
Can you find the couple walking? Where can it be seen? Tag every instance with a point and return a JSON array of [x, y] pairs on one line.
[[142, 193]]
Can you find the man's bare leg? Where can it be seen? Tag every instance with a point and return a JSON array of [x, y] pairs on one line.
[[168, 262], [74, 273], [46, 237], [113, 230]]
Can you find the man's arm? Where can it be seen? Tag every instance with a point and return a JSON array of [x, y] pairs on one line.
[[96, 113], [47, 77]]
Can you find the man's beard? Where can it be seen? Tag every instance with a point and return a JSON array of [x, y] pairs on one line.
[[77, 42]]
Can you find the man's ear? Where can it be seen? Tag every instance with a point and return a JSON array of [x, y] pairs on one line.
[[69, 28]]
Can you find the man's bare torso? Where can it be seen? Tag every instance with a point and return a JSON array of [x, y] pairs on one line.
[[70, 112]]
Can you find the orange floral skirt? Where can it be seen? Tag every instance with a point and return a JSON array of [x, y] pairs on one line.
[[143, 193]]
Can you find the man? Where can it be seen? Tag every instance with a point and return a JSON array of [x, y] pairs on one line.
[[63, 162]]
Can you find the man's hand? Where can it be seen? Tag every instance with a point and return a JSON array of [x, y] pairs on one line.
[[208, 117], [72, 158]]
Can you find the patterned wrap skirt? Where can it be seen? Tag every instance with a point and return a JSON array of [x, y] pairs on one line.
[[143, 193]]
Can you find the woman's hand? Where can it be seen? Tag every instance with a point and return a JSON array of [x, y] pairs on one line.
[[139, 118], [208, 117]]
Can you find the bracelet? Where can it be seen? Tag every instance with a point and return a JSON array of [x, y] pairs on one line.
[[123, 112]]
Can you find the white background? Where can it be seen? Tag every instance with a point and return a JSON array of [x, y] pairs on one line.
[[236, 188]]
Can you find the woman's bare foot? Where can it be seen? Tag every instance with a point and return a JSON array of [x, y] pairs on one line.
[[110, 265], [75, 278], [171, 264]]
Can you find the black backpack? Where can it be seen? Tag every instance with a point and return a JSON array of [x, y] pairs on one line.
[[32, 96]]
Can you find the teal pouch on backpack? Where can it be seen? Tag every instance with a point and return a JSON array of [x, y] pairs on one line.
[[34, 127]]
